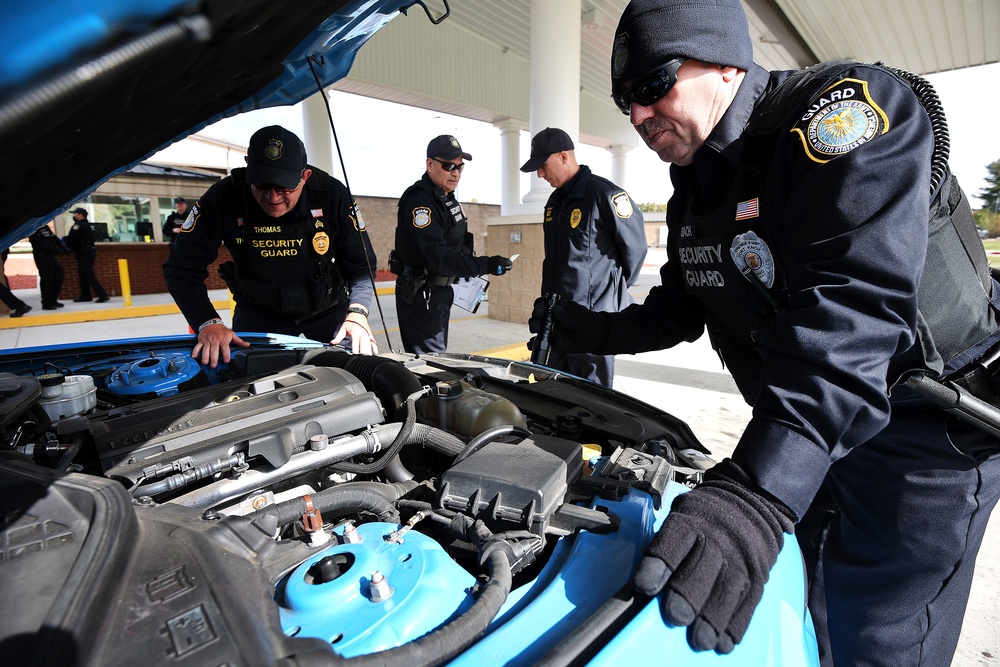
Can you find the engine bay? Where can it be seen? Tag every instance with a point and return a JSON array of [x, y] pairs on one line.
[[302, 499]]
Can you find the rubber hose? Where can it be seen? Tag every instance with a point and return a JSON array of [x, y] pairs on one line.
[[339, 500], [487, 437]]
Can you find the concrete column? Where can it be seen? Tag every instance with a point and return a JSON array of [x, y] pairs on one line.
[[510, 162], [619, 162], [318, 139], [555, 76]]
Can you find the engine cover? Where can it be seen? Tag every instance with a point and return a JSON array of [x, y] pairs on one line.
[[268, 417]]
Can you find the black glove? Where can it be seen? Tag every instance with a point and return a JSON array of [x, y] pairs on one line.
[[713, 555], [575, 328], [498, 265]]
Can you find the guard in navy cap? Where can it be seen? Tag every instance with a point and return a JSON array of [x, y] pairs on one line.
[[434, 248], [301, 258], [595, 242], [818, 237]]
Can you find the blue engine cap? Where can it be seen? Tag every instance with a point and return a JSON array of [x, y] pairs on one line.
[[160, 375], [425, 589]]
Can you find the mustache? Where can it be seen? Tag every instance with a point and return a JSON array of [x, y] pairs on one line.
[[650, 126]]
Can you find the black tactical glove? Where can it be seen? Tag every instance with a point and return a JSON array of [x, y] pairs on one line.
[[575, 329], [713, 555], [498, 265]]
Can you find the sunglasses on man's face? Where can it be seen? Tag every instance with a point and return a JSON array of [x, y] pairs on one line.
[[449, 166], [649, 88]]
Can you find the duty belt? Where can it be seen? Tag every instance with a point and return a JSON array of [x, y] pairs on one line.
[[439, 281]]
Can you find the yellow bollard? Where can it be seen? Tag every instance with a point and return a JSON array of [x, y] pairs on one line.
[[126, 285]]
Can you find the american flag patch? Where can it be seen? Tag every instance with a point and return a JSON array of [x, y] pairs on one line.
[[239, 222], [747, 209], [317, 212]]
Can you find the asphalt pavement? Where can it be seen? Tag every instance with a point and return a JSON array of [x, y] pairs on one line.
[[688, 381]]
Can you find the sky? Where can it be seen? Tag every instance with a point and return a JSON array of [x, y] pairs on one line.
[[384, 143]]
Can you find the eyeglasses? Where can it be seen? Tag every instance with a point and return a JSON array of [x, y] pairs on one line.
[[267, 188], [449, 166], [649, 88]]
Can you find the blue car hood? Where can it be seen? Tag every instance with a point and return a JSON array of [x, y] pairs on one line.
[[88, 90]]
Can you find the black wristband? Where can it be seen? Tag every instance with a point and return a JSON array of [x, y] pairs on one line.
[[360, 310]]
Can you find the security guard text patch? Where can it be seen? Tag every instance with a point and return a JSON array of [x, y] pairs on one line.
[[421, 217], [842, 118]]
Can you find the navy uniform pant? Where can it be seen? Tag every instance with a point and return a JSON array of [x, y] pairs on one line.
[[594, 367], [891, 541], [423, 324], [50, 278], [87, 277], [321, 327]]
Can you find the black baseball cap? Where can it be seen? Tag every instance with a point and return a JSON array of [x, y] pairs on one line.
[[545, 143], [180, 200], [275, 156], [80, 210], [446, 147]]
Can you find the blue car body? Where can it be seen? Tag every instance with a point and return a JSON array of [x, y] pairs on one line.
[[160, 511]]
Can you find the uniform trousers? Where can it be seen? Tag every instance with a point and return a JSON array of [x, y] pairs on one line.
[[890, 542], [50, 278], [594, 367], [85, 273], [423, 324], [321, 327]]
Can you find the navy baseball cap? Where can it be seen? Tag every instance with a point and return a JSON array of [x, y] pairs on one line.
[[545, 143], [81, 211], [446, 147], [275, 156]]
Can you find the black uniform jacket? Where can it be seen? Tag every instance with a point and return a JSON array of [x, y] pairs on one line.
[[595, 242], [44, 242], [276, 257], [432, 232], [833, 224]]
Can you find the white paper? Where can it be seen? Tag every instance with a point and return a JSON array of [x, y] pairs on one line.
[[470, 292]]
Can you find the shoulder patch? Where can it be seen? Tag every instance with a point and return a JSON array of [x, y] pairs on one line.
[[359, 222], [622, 204], [421, 217], [191, 219], [842, 118]]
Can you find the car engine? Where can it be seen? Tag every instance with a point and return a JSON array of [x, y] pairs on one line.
[[301, 505]]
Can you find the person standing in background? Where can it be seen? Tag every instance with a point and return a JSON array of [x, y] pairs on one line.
[[172, 225], [81, 241], [45, 247], [595, 242], [17, 307], [433, 249]]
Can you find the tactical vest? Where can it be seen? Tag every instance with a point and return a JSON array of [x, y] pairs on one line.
[[956, 300], [286, 267]]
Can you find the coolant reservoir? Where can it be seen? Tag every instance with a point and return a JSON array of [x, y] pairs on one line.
[[459, 407], [66, 395]]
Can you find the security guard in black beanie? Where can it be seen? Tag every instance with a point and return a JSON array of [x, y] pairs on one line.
[[799, 238], [595, 242], [433, 249], [302, 260]]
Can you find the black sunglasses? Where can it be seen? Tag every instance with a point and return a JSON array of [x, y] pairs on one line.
[[449, 166], [649, 88]]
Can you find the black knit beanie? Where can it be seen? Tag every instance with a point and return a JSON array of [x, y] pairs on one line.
[[652, 32]]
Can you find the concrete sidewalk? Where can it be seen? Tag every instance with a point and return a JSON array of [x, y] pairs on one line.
[[687, 381]]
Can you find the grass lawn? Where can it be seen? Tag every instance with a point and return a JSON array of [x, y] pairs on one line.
[[992, 245]]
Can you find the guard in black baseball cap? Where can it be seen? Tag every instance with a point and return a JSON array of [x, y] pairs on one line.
[[275, 156], [654, 32], [545, 143], [446, 147]]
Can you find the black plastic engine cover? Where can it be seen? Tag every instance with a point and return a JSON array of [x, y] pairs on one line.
[[521, 483], [87, 578], [268, 417]]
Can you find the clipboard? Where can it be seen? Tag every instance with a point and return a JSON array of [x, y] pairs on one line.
[[470, 293]]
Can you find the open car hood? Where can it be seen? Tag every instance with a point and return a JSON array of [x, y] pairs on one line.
[[87, 90]]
